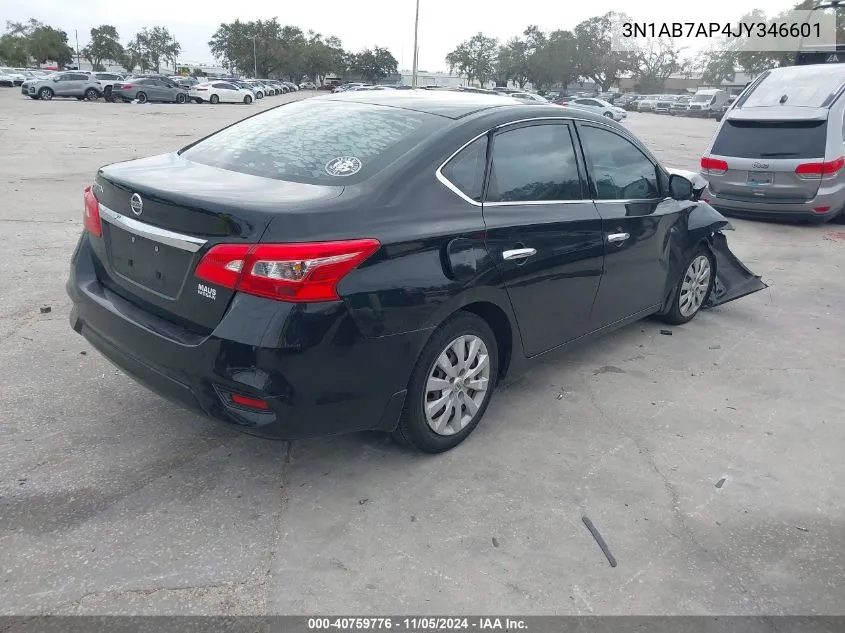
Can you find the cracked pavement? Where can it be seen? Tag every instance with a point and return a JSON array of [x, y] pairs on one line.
[[113, 501]]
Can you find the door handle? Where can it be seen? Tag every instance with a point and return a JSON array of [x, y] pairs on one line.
[[617, 237], [518, 253]]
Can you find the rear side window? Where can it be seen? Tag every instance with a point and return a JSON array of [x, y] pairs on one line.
[[79, 77], [534, 164], [466, 170], [771, 139], [317, 141]]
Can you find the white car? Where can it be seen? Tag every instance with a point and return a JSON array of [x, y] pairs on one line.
[[220, 92], [599, 106], [528, 97], [11, 77], [647, 104]]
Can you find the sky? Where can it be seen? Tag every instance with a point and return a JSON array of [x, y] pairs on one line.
[[365, 23]]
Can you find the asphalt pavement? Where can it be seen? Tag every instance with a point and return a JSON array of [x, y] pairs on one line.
[[710, 460]]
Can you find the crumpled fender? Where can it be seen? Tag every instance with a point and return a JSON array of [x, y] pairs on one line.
[[733, 278], [705, 224]]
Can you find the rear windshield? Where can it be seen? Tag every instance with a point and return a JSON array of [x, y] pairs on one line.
[[805, 86], [317, 142], [771, 139]]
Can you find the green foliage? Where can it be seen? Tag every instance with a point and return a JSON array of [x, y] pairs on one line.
[[104, 45], [269, 49], [475, 58], [374, 65], [32, 40]]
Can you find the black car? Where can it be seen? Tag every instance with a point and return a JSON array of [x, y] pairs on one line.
[[381, 260]]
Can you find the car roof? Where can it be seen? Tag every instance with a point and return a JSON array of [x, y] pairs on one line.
[[457, 105], [446, 103]]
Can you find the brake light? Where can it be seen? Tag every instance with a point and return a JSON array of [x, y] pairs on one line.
[[201, 89], [91, 213], [713, 166], [252, 403], [126, 87], [817, 170], [297, 273]]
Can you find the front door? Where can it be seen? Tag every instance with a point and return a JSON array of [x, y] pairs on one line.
[[636, 214], [544, 231]]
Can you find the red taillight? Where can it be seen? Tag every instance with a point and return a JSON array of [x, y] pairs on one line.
[[126, 87], [821, 209], [200, 89], [714, 166], [91, 214], [286, 272], [252, 403], [817, 170]]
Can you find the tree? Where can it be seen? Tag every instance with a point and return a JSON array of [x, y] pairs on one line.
[[374, 65], [104, 45], [597, 60], [13, 50], [475, 58], [512, 63], [136, 55], [656, 60], [49, 44]]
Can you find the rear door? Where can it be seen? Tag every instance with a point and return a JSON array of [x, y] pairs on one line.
[[78, 84], [636, 216], [762, 157], [63, 85], [544, 231]]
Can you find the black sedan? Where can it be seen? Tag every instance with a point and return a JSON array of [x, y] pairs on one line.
[[382, 260]]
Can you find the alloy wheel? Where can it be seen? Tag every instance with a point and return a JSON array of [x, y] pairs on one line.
[[457, 385], [695, 285]]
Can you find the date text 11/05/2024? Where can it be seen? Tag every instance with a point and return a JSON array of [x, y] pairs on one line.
[[417, 624], [720, 29]]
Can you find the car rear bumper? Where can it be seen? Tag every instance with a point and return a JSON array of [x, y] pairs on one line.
[[819, 209], [309, 362]]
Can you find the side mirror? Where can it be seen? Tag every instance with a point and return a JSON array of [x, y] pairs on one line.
[[55, 79], [680, 188]]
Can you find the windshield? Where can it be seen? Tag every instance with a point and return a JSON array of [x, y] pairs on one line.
[[316, 142], [702, 98]]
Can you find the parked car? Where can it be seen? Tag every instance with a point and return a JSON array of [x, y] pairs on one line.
[[17, 77], [680, 105], [707, 103], [107, 83], [664, 104], [259, 89], [308, 85], [150, 89], [260, 276], [631, 105], [220, 92], [720, 113], [623, 100], [778, 151], [344, 87], [598, 106], [527, 97], [64, 84], [647, 103]]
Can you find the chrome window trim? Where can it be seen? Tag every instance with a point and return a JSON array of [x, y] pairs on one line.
[[454, 189], [162, 236]]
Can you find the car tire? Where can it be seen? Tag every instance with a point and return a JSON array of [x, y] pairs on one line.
[[214, 99], [141, 97], [91, 94], [416, 428], [45, 94], [197, 100], [609, 115], [247, 99], [180, 98], [692, 288]]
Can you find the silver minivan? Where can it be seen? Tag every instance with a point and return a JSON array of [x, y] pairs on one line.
[[779, 150]]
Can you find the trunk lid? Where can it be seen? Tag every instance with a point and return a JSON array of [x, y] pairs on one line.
[[762, 155], [160, 215]]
